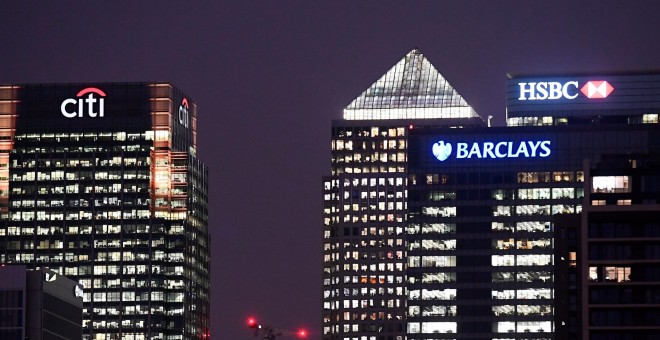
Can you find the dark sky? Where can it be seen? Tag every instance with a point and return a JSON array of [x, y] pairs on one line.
[[269, 76]]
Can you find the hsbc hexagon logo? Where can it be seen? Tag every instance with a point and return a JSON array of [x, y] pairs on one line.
[[95, 104], [552, 90], [597, 89]]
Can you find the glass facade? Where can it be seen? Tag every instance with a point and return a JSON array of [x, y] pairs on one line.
[[117, 203], [364, 236], [412, 89], [620, 253], [477, 206]]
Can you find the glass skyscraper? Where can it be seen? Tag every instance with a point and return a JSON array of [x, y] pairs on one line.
[[101, 183], [437, 226]]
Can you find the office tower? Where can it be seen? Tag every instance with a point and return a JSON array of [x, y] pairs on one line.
[[366, 198], [101, 183], [39, 304], [619, 249], [438, 227]]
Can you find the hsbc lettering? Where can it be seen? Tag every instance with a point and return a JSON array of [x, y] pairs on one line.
[[93, 104], [548, 90]]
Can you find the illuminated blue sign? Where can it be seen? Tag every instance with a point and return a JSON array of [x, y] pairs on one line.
[[525, 149]]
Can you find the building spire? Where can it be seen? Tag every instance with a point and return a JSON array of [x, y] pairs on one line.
[[412, 89]]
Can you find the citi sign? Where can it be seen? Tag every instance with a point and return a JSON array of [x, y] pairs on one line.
[[524, 149], [183, 112], [93, 104], [550, 90]]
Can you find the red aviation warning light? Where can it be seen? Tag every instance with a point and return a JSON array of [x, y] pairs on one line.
[[252, 322], [270, 333]]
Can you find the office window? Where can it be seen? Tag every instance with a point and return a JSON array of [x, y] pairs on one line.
[[610, 184]]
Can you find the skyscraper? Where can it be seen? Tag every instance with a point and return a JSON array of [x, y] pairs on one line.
[[438, 227], [366, 199], [101, 183], [620, 254]]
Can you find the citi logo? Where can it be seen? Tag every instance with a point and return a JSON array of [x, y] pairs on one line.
[[597, 89], [75, 107], [551, 90], [183, 112]]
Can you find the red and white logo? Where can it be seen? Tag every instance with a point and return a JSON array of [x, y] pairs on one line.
[[551, 90], [183, 112], [91, 100], [596, 89]]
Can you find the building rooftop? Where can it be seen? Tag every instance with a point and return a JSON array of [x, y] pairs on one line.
[[412, 89]]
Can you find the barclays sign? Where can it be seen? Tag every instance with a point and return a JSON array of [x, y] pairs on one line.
[[496, 150]]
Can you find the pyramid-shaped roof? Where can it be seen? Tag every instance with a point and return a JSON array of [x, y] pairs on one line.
[[412, 89]]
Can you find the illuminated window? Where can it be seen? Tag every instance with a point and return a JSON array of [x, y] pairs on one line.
[[506, 310], [651, 118], [610, 184], [502, 260], [572, 259], [617, 274], [439, 327]]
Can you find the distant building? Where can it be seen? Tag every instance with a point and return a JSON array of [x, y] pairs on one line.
[[619, 257], [102, 183], [436, 226], [39, 305]]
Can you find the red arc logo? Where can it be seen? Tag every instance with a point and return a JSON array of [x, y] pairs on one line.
[[597, 89]]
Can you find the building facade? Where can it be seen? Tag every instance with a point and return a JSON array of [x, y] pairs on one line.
[[439, 227], [102, 184], [620, 249], [39, 305]]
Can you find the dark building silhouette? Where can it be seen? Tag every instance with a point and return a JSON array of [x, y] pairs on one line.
[[39, 304], [620, 249]]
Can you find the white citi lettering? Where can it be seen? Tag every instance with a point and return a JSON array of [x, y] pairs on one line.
[[66, 113], [69, 109], [183, 115]]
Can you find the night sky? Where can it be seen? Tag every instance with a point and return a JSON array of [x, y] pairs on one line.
[[269, 76]]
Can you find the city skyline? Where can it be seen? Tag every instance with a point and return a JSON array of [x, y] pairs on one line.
[[269, 78]]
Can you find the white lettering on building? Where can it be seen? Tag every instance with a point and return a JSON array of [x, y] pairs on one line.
[[91, 105], [548, 90]]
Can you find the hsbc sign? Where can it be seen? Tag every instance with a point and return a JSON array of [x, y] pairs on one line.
[[552, 90]]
